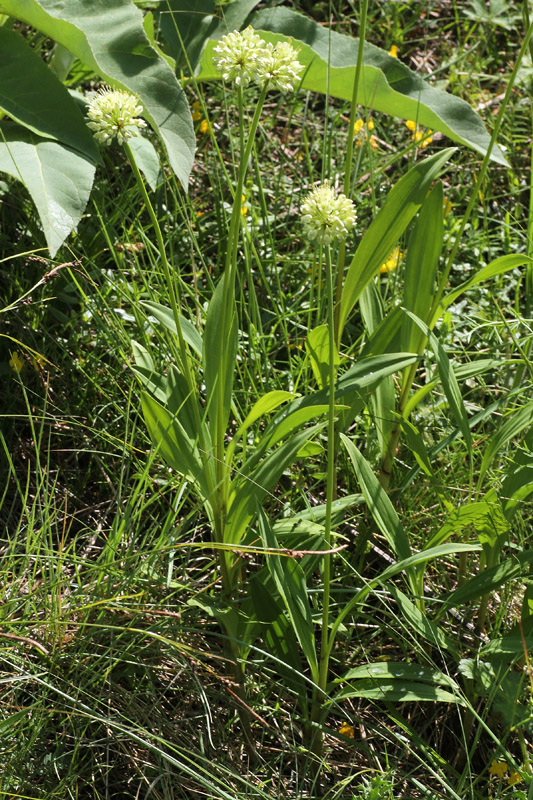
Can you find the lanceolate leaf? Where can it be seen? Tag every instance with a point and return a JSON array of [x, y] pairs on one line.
[[386, 85], [378, 502], [166, 318], [290, 582], [58, 179], [402, 203], [449, 381], [497, 267], [173, 442], [110, 39], [521, 420], [423, 253]]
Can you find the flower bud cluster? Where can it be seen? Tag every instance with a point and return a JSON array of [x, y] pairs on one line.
[[243, 56], [327, 216], [114, 114]]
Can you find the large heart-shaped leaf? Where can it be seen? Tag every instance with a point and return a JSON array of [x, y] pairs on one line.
[[386, 85], [58, 179], [109, 38], [32, 95]]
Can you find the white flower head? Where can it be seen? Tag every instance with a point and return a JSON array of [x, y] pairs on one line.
[[114, 114], [327, 216], [237, 55], [279, 67]]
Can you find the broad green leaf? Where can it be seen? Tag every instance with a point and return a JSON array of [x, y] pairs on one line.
[[492, 533], [497, 267], [416, 445], [153, 382], [461, 517], [227, 616], [253, 484], [383, 398], [420, 623], [172, 442], [386, 85], [427, 555], [317, 346], [180, 404], [399, 670], [406, 565], [515, 489], [378, 502], [166, 318], [490, 579], [142, 356], [187, 25], [219, 356], [299, 414], [317, 513], [385, 230], [265, 405], [31, 94], [147, 160], [58, 179], [290, 582], [110, 39], [399, 691], [448, 380], [513, 427], [386, 336], [511, 645], [351, 388], [423, 253], [279, 637]]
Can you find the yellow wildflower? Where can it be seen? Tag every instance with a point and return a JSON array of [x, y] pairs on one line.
[[419, 137], [347, 730], [16, 363], [422, 139], [361, 131], [204, 126], [393, 51], [446, 207], [244, 209], [196, 113], [392, 262], [514, 778], [498, 768]]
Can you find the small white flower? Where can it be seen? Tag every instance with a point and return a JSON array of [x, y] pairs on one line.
[[327, 216], [279, 67], [114, 114], [237, 55]]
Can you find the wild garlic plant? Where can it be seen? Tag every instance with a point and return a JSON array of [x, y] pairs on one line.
[[188, 407]]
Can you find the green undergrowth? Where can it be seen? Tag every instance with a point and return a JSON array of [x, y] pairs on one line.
[[119, 649]]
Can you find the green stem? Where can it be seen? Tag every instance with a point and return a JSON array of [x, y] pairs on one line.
[[182, 354], [228, 305], [325, 647], [348, 163]]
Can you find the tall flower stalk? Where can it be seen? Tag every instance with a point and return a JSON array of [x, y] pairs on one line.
[[243, 57], [327, 217]]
